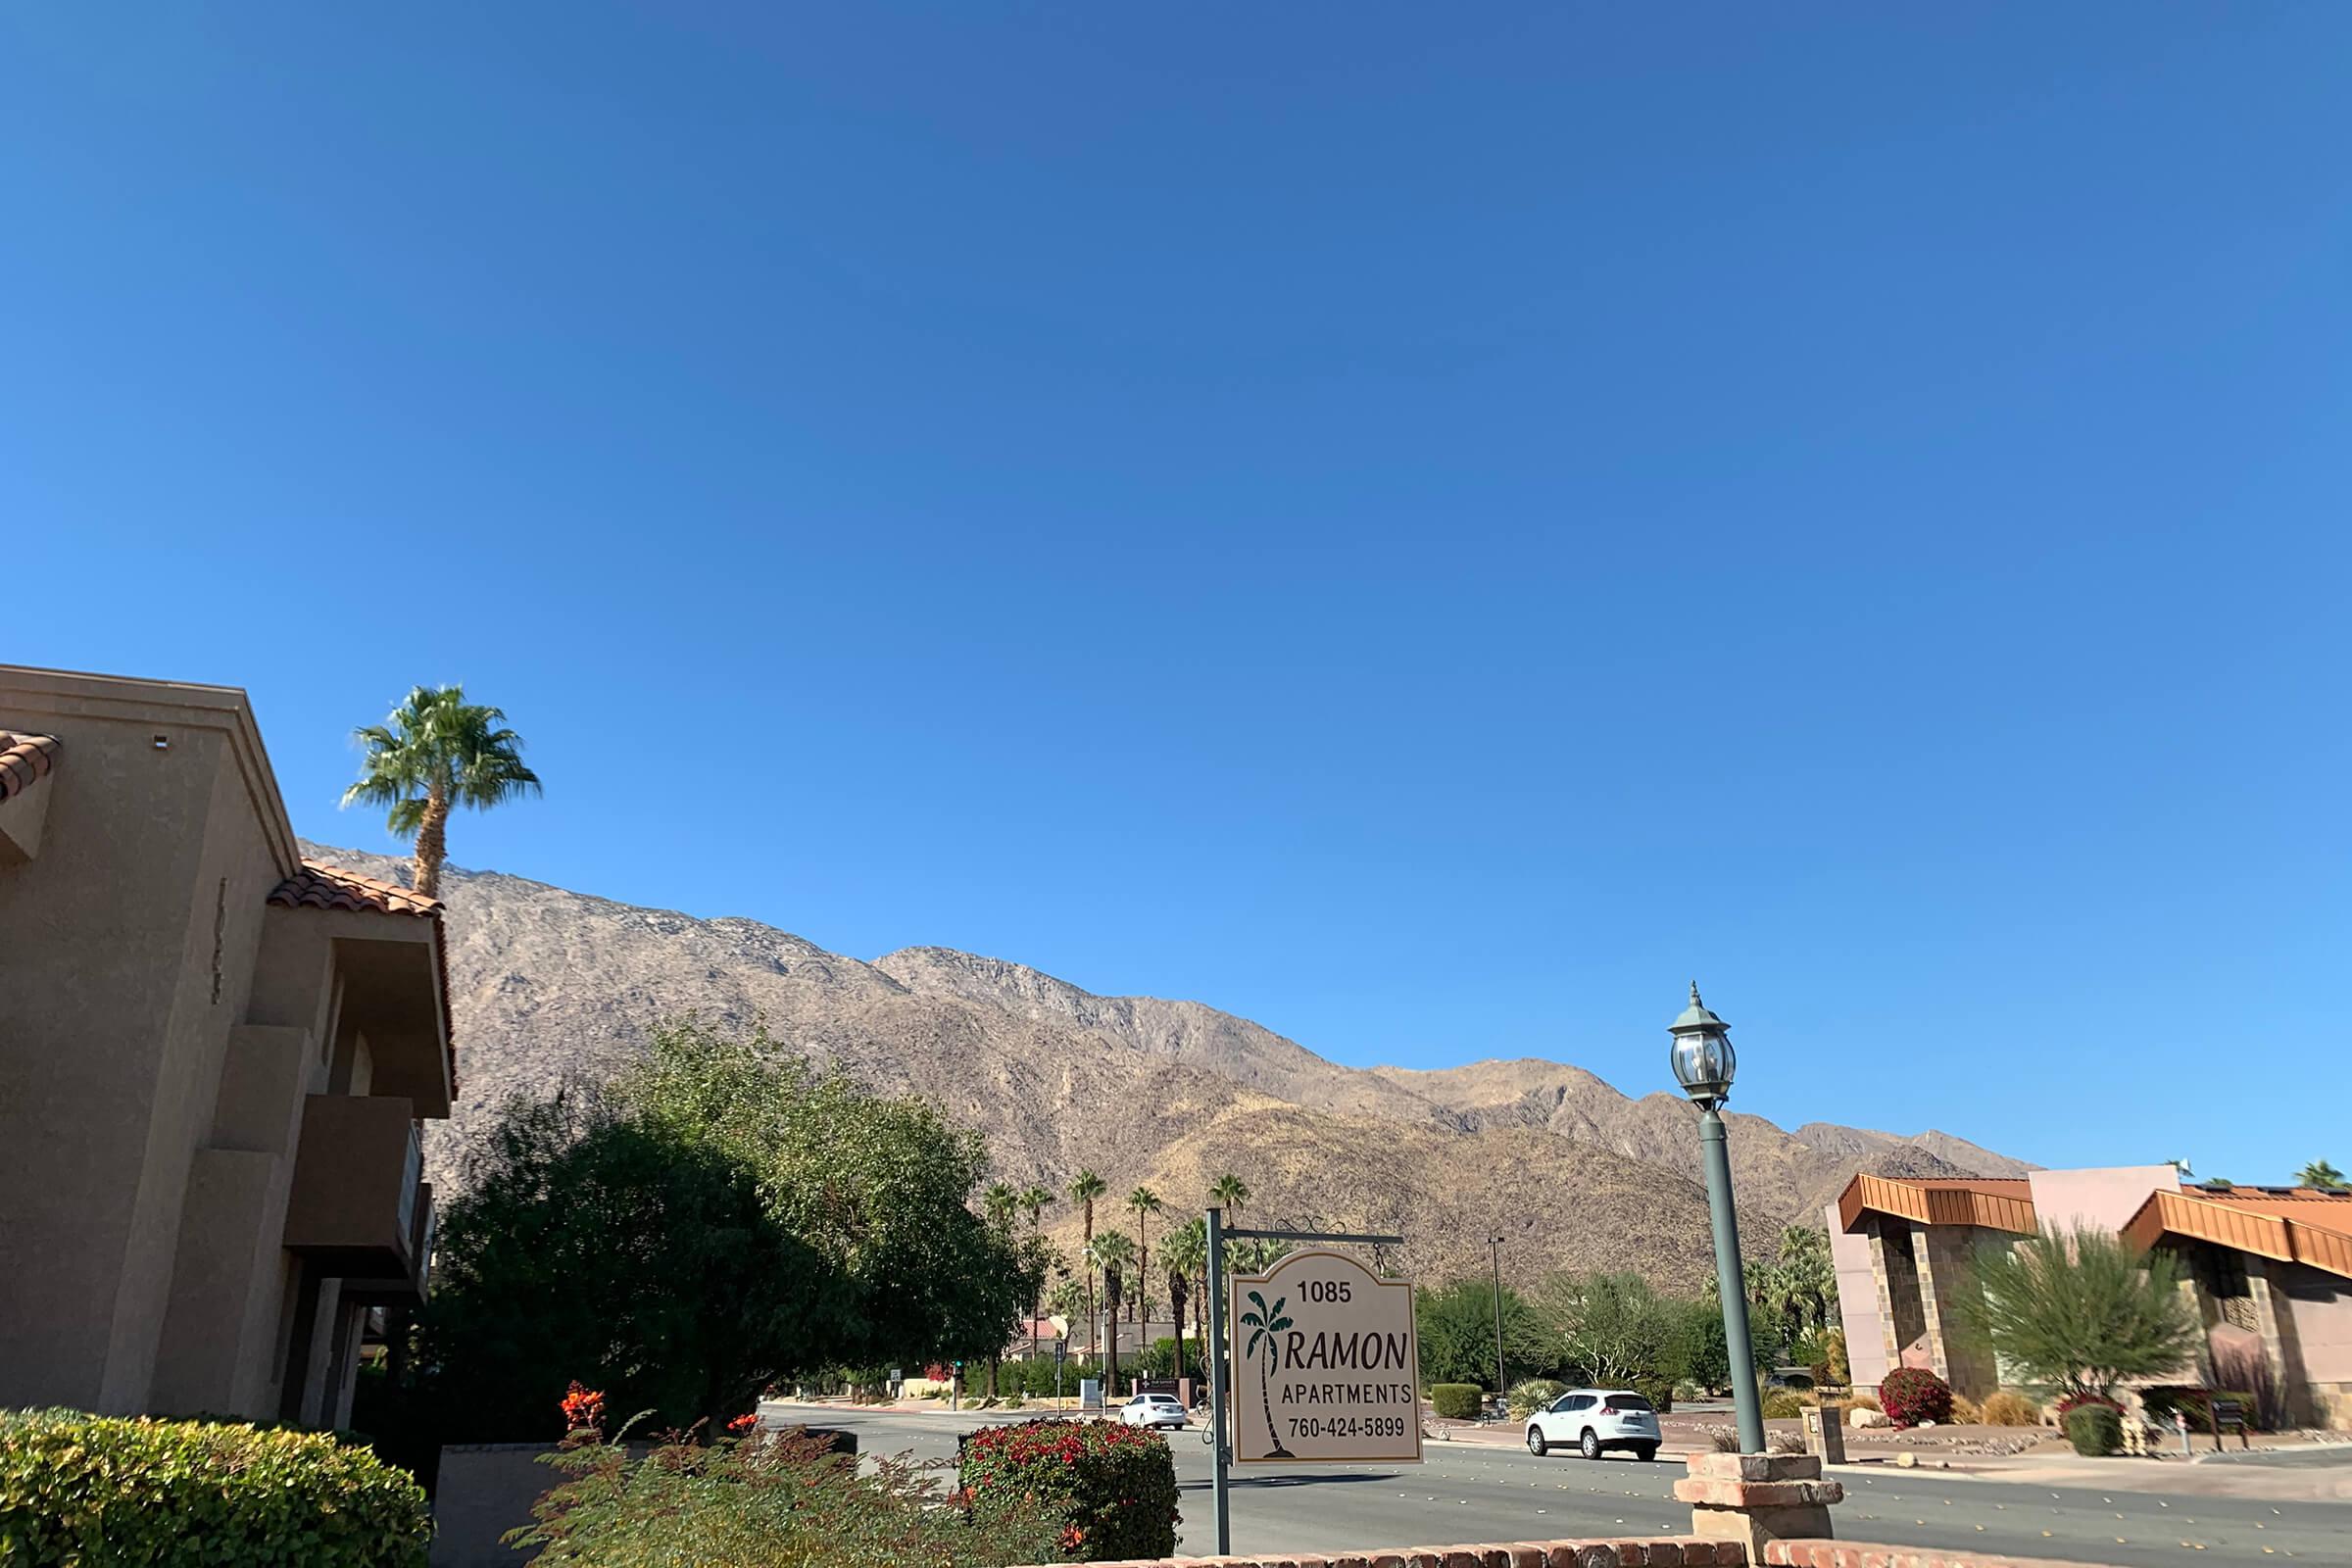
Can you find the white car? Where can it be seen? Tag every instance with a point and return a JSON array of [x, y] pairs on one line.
[[1594, 1420], [1153, 1410]]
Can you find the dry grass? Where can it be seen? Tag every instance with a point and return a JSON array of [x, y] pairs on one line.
[[1861, 1402], [2007, 1409], [1966, 1412], [1783, 1443]]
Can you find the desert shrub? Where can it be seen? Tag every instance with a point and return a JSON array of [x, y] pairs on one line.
[[1861, 1399], [84, 1489], [1783, 1443], [785, 1502], [1783, 1404], [1532, 1393], [1657, 1389], [2081, 1312], [1829, 1369], [2094, 1428], [1106, 1490], [1456, 1401], [1967, 1412], [2008, 1409], [1910, 1394], [1722, 1440]]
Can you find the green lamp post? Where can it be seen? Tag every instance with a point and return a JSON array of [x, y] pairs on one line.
[[1703, 1064]]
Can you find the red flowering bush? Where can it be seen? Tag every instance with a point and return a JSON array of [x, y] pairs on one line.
[[2076, 1401], [1111, 1489], [583, 1409], [1911, 1394]]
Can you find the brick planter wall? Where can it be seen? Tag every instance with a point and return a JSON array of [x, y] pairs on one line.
[[1862, 1554], [1674, 1551]]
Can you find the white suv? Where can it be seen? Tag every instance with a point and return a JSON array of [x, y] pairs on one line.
[[1153, 1410], [1591, 1420]]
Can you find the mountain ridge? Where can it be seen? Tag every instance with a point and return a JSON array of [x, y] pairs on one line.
[[550, 987]]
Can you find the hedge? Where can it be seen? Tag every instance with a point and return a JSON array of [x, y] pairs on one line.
[[1456, 1402], [99, 1491], [1111, 1487]]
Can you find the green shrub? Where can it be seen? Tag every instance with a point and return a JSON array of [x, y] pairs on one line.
[[1456, 1402], [1531, 1395], [1107, 1491], [1657, 1389], [1783, 1404], [2094, 1429], [780, 1502], [86, 1489], [1911, 1394]]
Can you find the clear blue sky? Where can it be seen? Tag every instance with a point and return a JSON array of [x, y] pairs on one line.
[[1427, 526]]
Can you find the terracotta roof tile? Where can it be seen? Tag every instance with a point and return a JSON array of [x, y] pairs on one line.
[[25, 760], [317, 885], [329, 887]]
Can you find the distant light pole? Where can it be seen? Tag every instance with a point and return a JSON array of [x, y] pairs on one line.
[[1703, 1064], [1494, 1252]]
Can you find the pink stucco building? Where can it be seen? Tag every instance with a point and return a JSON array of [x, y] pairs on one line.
[[2271, 1269]]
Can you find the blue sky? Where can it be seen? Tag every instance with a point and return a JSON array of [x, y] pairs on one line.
[[1426, 526]]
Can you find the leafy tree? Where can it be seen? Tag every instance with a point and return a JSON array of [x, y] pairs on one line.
[[2326, 1177], [432, 754], [598, 1249], [1146, 1203], [1611, 1327], [2080, 1312], [879, 1186], [1455, 1325]]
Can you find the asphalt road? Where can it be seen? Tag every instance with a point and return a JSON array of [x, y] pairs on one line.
[[1465, 1492]]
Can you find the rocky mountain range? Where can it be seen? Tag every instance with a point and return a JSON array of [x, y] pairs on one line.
[[551, 987]]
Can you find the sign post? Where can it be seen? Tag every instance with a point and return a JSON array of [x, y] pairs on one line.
[[1314, 1362]]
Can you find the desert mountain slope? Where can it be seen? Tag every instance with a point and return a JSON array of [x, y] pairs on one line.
[[551, 987]]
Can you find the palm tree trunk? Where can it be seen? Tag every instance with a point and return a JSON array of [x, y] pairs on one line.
[[1111, 1286], [432, 844]]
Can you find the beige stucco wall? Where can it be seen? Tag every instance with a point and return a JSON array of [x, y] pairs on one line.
[[166, 1027], [152, 860], [2320, 1308], [1857, 1303], [2098, 1200]]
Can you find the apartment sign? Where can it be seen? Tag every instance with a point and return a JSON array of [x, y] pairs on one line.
[[1326, 1367]]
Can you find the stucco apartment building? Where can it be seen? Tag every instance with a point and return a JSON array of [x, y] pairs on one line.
[[2270, 1270], [214, 1056]]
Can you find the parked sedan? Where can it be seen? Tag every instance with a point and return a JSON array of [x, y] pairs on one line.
[[1153, 1410], [1594, 1420]]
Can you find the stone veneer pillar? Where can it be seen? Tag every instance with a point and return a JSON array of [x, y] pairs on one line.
[[1753, 1498]]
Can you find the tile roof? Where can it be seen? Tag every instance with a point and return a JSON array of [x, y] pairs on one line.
[[25, 760], [2314, 1229], [1994, 1202], [319, 886], [330, 887]]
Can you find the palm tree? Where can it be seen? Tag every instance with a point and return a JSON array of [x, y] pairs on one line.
[[1145, 1202], [1806, 1276], [1112, 1251], [1183, 1254], [431, 754], [1229, 1192], [2319, 1173], [1033, 1200], [1263, 1323], [999, 1202], [1084, 1189]]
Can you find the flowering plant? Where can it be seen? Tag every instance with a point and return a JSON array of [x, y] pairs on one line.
[[583, 1408], [744, 1424], [1911, 1394], [1111, 1488]]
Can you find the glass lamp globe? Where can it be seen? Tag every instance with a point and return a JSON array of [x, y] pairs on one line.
[[1702, 1055]]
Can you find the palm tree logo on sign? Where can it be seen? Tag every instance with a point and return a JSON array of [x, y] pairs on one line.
[[1264, 1322]]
